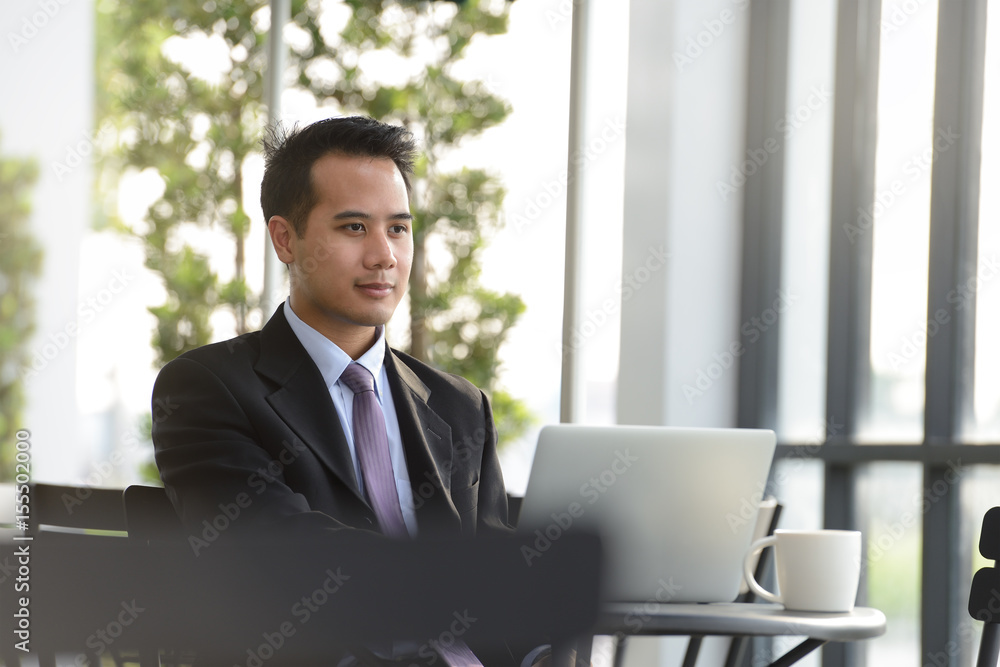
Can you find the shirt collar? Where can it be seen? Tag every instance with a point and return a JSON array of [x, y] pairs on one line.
[[327, 355]]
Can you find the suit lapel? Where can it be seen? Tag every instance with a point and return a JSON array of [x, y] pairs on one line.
[[302, 400], [428, 446]]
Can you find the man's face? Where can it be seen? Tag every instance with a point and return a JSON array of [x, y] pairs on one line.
[[352, 265]]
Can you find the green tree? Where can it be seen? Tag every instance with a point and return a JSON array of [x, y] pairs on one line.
[[198, 136], [20, 265], [455, 323]]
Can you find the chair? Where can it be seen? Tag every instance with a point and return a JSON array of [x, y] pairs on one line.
[[60, 520], [149, 515], [150, 518], [76, 510], [985, 584]]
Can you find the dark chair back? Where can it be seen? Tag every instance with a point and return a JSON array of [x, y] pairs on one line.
[[149, 514], [985, 589], [513, 508], [76, 508], [64, 521]]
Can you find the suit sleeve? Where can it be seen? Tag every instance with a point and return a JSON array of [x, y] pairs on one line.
[[492, 518], [220, 478]]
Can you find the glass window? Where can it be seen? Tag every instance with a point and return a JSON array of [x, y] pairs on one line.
[[899, 219], [986, 424], [894, 503], [807, 130]]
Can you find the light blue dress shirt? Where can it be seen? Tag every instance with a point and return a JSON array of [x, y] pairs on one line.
[[331, 361]]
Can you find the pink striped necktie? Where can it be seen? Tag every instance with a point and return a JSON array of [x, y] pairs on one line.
[[372, 446]]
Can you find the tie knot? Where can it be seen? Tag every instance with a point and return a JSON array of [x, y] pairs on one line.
[[357, 378]]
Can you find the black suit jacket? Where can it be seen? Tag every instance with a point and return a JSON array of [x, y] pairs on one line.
[[247, 437]]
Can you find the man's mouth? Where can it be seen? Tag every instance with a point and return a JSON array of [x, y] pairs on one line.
[[376, 289]]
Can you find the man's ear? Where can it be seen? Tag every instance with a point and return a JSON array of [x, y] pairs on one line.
[[282, 237]]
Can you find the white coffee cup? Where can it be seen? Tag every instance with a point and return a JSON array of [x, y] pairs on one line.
[[817, 570]]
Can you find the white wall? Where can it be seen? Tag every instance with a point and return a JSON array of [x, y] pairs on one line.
[[46, 84], [685, 134]]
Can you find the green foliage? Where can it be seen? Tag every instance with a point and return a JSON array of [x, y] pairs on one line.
[[455, 324], [198, 135], [20, 264]]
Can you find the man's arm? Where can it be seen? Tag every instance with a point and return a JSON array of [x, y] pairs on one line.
[[492, 518]]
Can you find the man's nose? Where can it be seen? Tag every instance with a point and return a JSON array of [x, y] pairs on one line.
[[379, 252]]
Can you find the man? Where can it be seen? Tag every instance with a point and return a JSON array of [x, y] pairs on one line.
[[266, 414], [267, 423]]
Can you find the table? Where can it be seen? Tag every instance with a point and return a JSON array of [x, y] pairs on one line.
[[737, 619], [302, 601]]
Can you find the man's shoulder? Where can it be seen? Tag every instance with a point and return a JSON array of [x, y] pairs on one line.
[[241, 351], [436, 379]]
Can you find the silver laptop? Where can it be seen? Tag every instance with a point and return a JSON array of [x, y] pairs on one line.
[[675, 507]]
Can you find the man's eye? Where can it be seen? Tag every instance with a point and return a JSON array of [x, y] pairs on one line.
[[400, 229], [355, 227]]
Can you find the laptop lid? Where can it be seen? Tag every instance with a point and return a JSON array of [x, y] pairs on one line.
[[675, 507]]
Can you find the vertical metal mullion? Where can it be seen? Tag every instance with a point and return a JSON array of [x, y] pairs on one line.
[[958, 106], [852, 190], [763, 199], [763, 220], [571, 400]]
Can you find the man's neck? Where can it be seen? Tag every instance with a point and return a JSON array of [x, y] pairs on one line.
[[353, 339], [354, 345]]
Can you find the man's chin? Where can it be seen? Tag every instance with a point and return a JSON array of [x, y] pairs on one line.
[[371, 319]]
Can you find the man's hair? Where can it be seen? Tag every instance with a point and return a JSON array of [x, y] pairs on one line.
[[287, 188]]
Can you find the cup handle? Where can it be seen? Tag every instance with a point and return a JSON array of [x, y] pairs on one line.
[[750, 563]]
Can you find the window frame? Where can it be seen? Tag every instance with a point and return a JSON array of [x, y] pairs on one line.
[[954, 210]]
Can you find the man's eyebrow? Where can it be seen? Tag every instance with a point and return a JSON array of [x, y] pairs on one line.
[[351, 215], [344, 215]]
